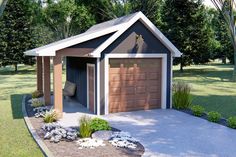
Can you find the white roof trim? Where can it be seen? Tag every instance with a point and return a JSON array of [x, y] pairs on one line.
[[50, 49], [140, 16], [92, 33]]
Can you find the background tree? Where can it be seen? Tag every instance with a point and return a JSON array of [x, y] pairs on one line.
[[104, 10], [17, 34], [186, 24], [66, 18], [226, 9], [225, 48], [150, 8]]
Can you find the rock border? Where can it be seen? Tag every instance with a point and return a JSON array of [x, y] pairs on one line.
[[33, 132]]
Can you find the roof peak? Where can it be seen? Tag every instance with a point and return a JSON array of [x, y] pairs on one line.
[[113, 22]]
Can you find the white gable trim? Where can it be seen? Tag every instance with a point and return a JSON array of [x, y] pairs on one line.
[[140, 16], [50, 49]]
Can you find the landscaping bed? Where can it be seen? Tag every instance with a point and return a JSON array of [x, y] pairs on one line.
[[222, 121], [71, 148], [182, 101]]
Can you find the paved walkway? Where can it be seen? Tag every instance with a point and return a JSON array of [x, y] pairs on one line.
[[170, 133]]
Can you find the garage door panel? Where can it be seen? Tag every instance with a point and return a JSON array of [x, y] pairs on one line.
[[118, 77], [134, 84], [121, 84], [153, 102], [125, 97], [115, 91], [147, 83], [153, 89], [127, 90], [140, 76], [141, 89], [114, 70], [114, 77], [153, 76], [121, 104]]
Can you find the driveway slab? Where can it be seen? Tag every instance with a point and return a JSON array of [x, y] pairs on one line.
[[170, 133]]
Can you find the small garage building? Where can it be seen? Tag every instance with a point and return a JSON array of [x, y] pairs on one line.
[[120, 65]]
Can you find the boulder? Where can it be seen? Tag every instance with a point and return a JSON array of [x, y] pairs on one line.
[[102, 135]]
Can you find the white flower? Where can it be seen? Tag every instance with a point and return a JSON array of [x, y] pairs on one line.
[[89, 143]]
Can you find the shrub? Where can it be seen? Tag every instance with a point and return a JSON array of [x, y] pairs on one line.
[[37, 102], [99, 124], [84, 126], [37, 94], [214, 116], [231, 122], [197, 110], [181, 95], [50, 116]]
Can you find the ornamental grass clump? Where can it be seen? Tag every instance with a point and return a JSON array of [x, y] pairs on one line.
[[36, 94], [50, 116], [231, 122], [98, 124], [36, 102], [197, 110], [214, 116], [85, 129], [181, 95]]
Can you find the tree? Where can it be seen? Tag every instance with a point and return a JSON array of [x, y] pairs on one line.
[[225, 48], [66, 18], [2, 6], [226, 9], [121, 7], [104, 10], [17, 34], [150, 8], [186, 24]]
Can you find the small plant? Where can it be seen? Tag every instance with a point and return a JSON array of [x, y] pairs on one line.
[[99, 124], [36, 94], [231, 122], [197, 110], [36, 102], [84, 126], [181, 95], [214, 116], [50, 116]]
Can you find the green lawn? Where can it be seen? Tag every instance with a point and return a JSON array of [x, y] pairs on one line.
[[15, 140], [211, 87]]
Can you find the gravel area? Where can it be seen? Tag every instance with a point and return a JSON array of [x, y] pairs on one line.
[[71, 149]]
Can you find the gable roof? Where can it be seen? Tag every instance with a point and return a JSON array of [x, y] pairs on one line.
[[117, 26]]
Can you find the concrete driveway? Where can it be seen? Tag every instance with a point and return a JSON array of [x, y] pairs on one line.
[[170, 133]]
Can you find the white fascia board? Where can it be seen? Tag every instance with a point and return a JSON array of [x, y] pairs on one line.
[[160, 36], [50, 50], [140, 16], [124, 27]]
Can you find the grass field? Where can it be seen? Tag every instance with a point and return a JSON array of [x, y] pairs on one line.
[[211, 87], [15, 140]]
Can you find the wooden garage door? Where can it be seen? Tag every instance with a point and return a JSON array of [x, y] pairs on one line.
[[134, 84]]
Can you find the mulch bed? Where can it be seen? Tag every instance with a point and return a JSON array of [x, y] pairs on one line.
[[222, 121], [71, 149]]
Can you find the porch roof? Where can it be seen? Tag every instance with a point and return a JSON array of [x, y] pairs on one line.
[[117, 26]]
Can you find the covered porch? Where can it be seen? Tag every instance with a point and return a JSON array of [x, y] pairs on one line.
[[71, 112], [78, 72]]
